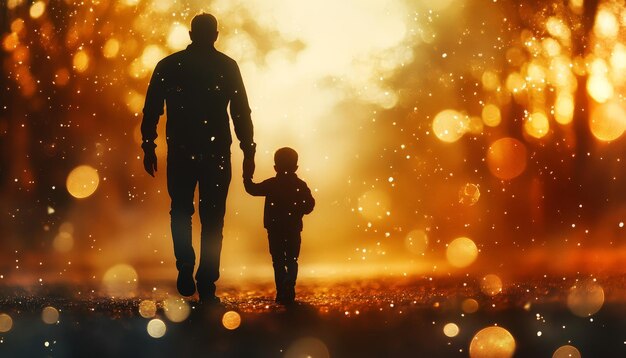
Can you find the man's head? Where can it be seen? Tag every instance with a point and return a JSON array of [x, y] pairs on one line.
[[286, 160], [203, 29]]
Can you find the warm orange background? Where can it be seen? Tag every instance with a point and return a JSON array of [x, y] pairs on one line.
[[394, 108]]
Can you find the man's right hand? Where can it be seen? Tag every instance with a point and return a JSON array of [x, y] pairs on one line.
[[150, 162]]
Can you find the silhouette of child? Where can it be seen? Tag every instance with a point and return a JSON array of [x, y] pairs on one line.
[[287, 200]]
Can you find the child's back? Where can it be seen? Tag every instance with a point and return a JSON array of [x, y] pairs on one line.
[[287, 199]]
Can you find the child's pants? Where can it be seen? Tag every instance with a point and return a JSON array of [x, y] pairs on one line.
[[285, 249]]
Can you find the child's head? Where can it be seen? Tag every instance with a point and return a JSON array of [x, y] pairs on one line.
[[286, 160]]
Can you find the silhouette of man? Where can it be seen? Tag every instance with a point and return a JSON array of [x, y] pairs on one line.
[[198, 84]]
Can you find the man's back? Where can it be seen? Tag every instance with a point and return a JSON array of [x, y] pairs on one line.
[[197, 85]]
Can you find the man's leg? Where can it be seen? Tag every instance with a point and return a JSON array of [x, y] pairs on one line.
[[292, 251], [181, 184], [276, 241], [214, 181]]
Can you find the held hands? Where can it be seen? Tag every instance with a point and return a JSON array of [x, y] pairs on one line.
[[248, 167], [150, 162]]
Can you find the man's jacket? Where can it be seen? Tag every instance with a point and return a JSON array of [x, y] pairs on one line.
[[197, 85]]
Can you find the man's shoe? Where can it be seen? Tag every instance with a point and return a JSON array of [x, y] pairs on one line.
[[289, 296], [185, 283], [280, 297]]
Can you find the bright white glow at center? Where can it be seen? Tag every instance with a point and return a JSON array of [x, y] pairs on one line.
[[329, 51]]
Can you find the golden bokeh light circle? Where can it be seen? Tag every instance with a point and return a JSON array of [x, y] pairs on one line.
[[469, 305], [50, 315], [10, 42], [120, 281], [80, 61], [176, 309], [600, 88], [566, 351], [585, 298], [147, 308], [451, 330], [111, 48], [515, 83], [151, 55], [37, 9], [450, 125], [491, 115], [307, 347], [416, 241], [490, 80], [491, 285], [606, 25], [156, 328], [63, 242], [82, 181], [492, 342], [6, 323], [506, 158], [469, 194], [461, 252], [178, 37], [564, 108], [537, 125], [608, 121], [231, 320]]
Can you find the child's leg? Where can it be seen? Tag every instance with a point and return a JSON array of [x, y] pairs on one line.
[[277, 250], [292, 251]]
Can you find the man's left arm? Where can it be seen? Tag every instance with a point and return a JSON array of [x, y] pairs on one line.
[[242, 121], [152, 110]]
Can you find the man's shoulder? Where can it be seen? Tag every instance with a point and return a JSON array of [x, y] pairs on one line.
[[176, 58], [229, 61], [171, 59]]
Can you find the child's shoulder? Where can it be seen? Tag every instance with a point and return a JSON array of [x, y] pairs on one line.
[[301, 182]]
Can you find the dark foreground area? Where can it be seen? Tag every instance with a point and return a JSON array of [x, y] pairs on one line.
[[380, 318]]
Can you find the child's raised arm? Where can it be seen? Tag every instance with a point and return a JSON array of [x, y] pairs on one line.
[[255, 189]]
